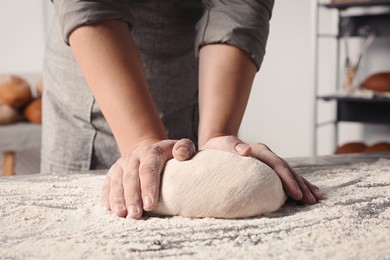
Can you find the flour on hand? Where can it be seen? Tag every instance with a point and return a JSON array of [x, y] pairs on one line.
[[219, 184]]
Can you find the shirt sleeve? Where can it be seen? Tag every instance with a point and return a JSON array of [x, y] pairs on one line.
[[242, 23], [74, 13]]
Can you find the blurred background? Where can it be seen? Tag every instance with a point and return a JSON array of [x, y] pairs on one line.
[[305, 58]]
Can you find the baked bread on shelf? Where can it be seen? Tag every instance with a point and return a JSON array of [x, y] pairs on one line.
[[378, 82]]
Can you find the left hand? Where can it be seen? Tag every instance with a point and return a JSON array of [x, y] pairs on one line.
[[132, 184], [297, 187]]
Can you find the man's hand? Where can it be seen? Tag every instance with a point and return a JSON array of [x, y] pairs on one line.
[[297, 187], [132, 184]]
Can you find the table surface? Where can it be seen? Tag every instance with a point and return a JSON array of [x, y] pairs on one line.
[[21, 136], [58, 216]]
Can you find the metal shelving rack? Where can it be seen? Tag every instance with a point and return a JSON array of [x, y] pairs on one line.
[[351, 109]]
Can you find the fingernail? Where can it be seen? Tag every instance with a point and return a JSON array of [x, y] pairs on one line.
[[241, 147], [120, 208], [184, 151], [132, 211], [147, 202]]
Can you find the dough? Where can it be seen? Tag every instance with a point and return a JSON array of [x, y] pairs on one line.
[[219, 184]]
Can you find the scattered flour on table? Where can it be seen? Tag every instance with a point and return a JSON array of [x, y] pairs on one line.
[[59, 217]]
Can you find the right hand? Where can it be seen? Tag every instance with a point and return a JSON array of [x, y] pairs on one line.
[[297, 187], [132, 184]]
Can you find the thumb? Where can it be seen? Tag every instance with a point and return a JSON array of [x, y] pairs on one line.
[[228, 143], [183, 149]]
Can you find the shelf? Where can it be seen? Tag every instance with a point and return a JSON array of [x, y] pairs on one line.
[[373, 14], [380, 23], [363, 110], [374, 99], [343, 6], [358, 19]]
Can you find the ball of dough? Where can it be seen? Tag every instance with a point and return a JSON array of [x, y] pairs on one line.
[[14, 91], [219, 184]]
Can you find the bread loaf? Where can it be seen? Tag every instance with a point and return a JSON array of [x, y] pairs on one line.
[[378, 147], [359, 147], [8, 114], [14, 91], [33, 112], [353, 147], [378, 82]]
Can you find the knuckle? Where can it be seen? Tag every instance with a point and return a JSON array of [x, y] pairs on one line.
[[134, 197], [113, 169], [116, 177], [117, 200], [129, 175], [151, 151], [231, 138], [284, 165], [154, 156], [125, 161], [261, 146], [156, 151], [149, 169]]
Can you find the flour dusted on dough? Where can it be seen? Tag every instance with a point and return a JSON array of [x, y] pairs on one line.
[[219, 184]]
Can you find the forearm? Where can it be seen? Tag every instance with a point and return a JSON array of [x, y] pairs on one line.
[[112, 67], [226, 75]]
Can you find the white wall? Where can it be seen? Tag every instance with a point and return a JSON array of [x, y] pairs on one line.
[[24, 27], [22, 36], [279, 112]]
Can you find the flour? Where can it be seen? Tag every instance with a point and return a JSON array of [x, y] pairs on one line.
[[219, 184], [59, 217]]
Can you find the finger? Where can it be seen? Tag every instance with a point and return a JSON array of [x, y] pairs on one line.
[[315, 190], [132, 188], [281, 168], [117, 200], [105, 200], [230, 144], [149, 173], [307, 196], [183, 149]]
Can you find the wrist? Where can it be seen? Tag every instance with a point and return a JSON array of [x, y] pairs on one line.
[[142, 141], [205, 137]]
